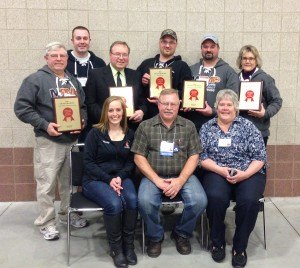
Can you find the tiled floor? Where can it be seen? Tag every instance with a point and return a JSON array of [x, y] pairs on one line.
[[23, 246]]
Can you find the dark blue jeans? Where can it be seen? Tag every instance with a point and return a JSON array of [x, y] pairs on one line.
[[101, 193], [150, 198], [246, 194]]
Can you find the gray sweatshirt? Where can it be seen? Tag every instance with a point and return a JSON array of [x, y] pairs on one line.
[[33, 104]]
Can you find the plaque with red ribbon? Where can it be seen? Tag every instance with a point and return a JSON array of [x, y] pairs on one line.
[[160, 78], [194, 94], [67, 114], [250, 95]]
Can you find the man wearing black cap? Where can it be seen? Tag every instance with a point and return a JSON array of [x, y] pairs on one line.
[[166, 58], [217, 74]]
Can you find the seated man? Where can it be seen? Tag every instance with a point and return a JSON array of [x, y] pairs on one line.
[[167, 152]]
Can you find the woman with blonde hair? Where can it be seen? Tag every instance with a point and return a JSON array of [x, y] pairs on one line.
[[107, 179]]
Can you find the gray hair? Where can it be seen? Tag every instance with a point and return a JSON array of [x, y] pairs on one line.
[[55, 46], [253, 50], [168, 91], [230, 95]]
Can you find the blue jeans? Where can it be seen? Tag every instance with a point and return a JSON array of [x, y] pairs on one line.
[[246, 193], [101, 193], [149, 202]]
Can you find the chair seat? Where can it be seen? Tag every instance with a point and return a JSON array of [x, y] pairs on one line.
[[79, 201]]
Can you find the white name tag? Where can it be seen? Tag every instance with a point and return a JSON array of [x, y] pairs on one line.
[[224, 142], [82, 81], [166, 148]]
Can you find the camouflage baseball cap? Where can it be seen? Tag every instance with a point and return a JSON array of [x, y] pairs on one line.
[[168, 32]]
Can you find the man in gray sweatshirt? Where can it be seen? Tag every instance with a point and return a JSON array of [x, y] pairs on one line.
[[217, 74], [34, 105]]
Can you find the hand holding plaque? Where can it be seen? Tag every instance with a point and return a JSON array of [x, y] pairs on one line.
[[194, 94], [67, 114], [160, 78]]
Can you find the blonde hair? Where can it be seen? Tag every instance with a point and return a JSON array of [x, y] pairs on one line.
[[103, 124], [253, 50]]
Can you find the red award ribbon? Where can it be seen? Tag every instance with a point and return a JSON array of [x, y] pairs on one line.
[[68, 112], [249, 95], [160, 82], [194, 94]]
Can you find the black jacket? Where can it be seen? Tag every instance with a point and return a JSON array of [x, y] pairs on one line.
[[103, 160], [180, 72], [97, 88]]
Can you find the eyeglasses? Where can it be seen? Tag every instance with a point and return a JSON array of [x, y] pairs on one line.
[[171, 43], [119, 55], [55, 56], [248, 59], [167, 104]]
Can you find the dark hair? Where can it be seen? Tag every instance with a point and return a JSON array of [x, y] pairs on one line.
[[80, 28], [119, 43], [103, 124]]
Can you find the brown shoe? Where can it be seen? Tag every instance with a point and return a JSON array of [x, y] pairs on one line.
[[154, 249], [183, 244]]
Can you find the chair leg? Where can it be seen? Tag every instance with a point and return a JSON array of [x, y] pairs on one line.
[[143, 236], [264, 222], [68, 238]]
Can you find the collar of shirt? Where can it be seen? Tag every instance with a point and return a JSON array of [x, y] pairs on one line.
[[115, 73], [178, 121]]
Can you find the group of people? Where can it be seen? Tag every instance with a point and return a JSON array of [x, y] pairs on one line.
[[162, 141]]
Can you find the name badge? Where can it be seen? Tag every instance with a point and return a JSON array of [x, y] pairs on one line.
[[224, 142], [82, 81], [166, 148]]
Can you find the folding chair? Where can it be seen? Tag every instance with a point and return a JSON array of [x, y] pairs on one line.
[[78, 202], [165, 201], [205, 226]]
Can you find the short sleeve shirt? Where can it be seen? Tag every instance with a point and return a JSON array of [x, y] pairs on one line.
[[152, 132], [246, 144]]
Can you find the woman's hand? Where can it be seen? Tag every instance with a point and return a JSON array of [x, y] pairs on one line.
[[239, 175], [115, 183]]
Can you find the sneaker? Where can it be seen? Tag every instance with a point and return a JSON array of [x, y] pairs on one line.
[[239, 259], [49, 232], [183, 244], [153, 248], [169, 209], [218, 254], [76, 220]]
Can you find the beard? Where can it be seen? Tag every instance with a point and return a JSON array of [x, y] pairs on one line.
[[208, 56]]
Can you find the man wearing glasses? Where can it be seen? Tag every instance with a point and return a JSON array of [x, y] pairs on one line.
[[216, 73], [115, 74], [166, 58], [34, 105], [167, 151]]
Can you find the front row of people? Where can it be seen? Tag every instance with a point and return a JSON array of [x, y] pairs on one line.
[[166, 150]]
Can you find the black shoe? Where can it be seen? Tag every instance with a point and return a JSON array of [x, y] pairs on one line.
[[154, 249], [183, 244], [239, 259], [130, 256], [119, 259], [218, 254], [168, 209]]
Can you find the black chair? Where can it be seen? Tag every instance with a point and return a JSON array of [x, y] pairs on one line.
[[78, 202], [165, 202], [205, 226]]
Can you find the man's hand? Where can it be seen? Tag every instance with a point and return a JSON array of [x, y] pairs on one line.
[[153, 100], [161, 184], [207, 111], [51, 129], [78, 131], [260, 113], [137, 116], [175, 185], [145, 79]]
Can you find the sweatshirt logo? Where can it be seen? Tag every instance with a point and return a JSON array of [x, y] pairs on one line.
[[214, 79]]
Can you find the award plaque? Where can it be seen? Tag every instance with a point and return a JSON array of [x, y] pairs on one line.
[[250, 95], [67, 114], [160, 78], [194, 94], [127, 94]]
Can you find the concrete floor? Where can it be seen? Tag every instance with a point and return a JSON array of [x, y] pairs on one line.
[[23, 246]]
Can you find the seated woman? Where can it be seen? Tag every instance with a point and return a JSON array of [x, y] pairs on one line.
[[107, 180], [233, 158]]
